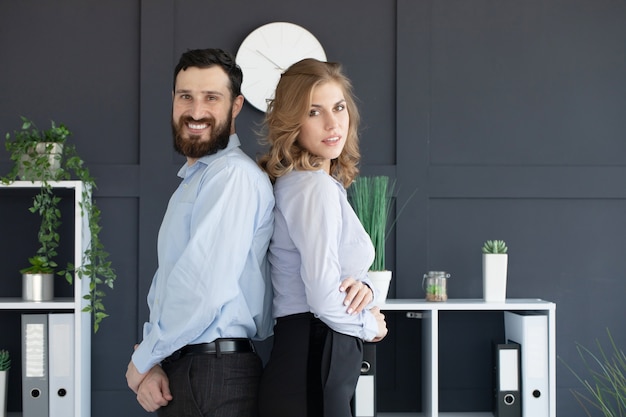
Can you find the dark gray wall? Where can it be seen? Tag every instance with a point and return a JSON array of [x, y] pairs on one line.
[[506, 117]]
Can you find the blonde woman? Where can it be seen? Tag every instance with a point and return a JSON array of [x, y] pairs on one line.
[[318, 241]]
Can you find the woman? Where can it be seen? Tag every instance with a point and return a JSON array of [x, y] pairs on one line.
[[318, 241]]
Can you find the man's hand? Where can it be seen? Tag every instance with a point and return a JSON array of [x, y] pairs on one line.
[[154, 391], [133, 377], [358, 295]]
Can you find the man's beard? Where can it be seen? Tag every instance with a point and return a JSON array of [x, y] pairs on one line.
[[193, 146]]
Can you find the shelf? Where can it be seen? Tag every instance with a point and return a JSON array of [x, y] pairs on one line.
[[16, 303], [436, 317], [11, 307], [477, 414], [37, 184], [467, 304]]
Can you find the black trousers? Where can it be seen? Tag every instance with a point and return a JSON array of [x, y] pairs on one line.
[[312, 370], [211, 385]]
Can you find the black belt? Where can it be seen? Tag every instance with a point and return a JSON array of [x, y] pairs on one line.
[[218, 347]]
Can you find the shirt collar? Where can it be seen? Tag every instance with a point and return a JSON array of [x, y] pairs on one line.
[[233, 142]]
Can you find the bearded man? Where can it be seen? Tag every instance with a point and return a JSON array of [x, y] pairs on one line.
[[211, 292]]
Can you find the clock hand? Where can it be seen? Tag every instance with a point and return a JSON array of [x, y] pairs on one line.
[[278, 67]]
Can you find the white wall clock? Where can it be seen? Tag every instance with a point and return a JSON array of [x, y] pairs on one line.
[[267, 52]]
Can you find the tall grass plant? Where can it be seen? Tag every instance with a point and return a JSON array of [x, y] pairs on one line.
[[371, 199], [604, 382]]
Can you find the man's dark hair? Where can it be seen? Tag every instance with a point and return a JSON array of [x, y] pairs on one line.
[[206, 58]]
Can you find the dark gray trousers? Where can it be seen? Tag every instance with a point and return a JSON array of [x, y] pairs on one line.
[[213, 386]]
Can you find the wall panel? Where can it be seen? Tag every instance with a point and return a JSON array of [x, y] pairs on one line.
[[498, 120]]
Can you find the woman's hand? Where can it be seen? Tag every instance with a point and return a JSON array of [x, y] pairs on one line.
[[358, 295]]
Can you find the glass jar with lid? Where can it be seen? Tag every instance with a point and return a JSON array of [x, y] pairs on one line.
[[435, 284]]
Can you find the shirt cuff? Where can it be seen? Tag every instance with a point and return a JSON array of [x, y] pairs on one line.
[[370, 326], [375, 293]]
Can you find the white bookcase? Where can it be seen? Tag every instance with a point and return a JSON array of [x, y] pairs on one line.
[[430, 314], [74, 304]]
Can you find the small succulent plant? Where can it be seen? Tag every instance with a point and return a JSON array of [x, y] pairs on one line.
[[5, 360], [495, 247]]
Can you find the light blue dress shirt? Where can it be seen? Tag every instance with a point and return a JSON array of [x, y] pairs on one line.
[[213, 276], [318, 241]]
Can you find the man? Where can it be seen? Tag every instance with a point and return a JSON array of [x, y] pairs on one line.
[[210, 294]]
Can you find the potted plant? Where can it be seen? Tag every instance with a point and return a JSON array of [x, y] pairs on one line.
[[5, 365], [30, 165], [36, 153], [495, 261], [371, 199]]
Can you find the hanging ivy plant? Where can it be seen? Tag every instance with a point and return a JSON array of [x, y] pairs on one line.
[[31, 150]]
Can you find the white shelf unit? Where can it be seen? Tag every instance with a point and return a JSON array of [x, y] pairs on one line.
[[75, 304], [470, 414], [430, 344]]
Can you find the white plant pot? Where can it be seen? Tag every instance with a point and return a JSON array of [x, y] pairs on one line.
[[494, 277], [4, 375], [381, 280], [54, 153], [37, 287]]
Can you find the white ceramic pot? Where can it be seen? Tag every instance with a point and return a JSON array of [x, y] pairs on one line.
[[37, 287], [53, 152], [381, 280], [494, 276]]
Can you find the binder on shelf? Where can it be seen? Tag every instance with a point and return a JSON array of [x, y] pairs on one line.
[[507, 395], [61, 364], [531, 332], [35, 365]]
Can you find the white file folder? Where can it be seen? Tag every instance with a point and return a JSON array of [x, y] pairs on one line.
[[35, 365], [364, 397], [61, 364], [531, 332]]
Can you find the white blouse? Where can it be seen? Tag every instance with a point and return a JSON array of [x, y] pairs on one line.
[[318, 241]]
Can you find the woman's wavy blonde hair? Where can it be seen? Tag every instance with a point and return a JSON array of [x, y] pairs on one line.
[[287, 112]]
